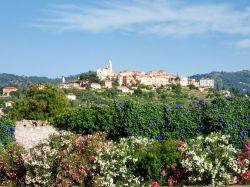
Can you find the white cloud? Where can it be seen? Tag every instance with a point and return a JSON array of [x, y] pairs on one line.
[[245, 43], [152, 17]]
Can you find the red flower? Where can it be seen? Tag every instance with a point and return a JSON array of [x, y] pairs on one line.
[[177, 174], [245, 176], [180, 143], [155, 184]]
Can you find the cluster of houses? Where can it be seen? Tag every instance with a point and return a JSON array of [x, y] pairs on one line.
[[160, 78], [127, 79]]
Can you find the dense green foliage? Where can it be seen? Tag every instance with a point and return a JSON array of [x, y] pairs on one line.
[[163, 121], [38, 103], [158, 161], [86, 120], [7, 128]]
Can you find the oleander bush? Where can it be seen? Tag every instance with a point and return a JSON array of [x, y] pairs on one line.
[[12, 169], [64, 160], [243, 162], [117, 164], [69, 159], [7, 129], [210, 160]]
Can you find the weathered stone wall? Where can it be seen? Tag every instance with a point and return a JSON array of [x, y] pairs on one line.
[[32, 123], [29, 133]]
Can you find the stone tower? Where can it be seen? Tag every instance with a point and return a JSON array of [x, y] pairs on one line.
[[103, 73], [110, 67], [63, 79]]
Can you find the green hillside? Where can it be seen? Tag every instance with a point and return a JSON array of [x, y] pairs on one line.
[[239, 80], [22, 81]]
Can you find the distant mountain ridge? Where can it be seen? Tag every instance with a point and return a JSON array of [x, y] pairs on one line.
[[239, 79]]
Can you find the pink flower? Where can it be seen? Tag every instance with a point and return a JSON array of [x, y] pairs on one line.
[[171, 181], [172, 167], [247, 145], [155, 184], [163, 173]]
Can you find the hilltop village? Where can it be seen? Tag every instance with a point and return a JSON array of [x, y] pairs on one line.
[[127, 80]]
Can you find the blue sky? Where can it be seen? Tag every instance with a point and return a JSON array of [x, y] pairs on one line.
[[62, 37]]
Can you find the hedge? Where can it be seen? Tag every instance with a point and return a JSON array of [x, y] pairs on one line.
[[162, 120]]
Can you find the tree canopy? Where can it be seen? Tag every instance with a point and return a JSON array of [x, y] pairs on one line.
[[39, 103]]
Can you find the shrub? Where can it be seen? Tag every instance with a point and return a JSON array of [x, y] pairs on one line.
[[116, 164], [64, 160], [76, 165], [210, 160], [7, 129], [164, 121], [42, 163], [87, 120], [231, 116], [243, 162], [12, 170]]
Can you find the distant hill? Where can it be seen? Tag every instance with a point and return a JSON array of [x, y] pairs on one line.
[[23, 81], [239, 80]]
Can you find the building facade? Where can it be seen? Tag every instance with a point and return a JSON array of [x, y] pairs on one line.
[[8, 90], [103, 73], [206, 83]]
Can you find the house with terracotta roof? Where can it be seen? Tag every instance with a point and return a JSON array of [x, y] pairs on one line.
[[71, 96], [8, 90]]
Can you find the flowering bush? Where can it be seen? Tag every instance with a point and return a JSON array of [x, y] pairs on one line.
[[7, 129], [210, 160], [116, 164], [42, 163], [12, 170], [243, 162], [76, 165], [64, 160]]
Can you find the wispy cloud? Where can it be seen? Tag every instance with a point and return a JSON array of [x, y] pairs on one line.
[[152, 17], [245, 43]]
